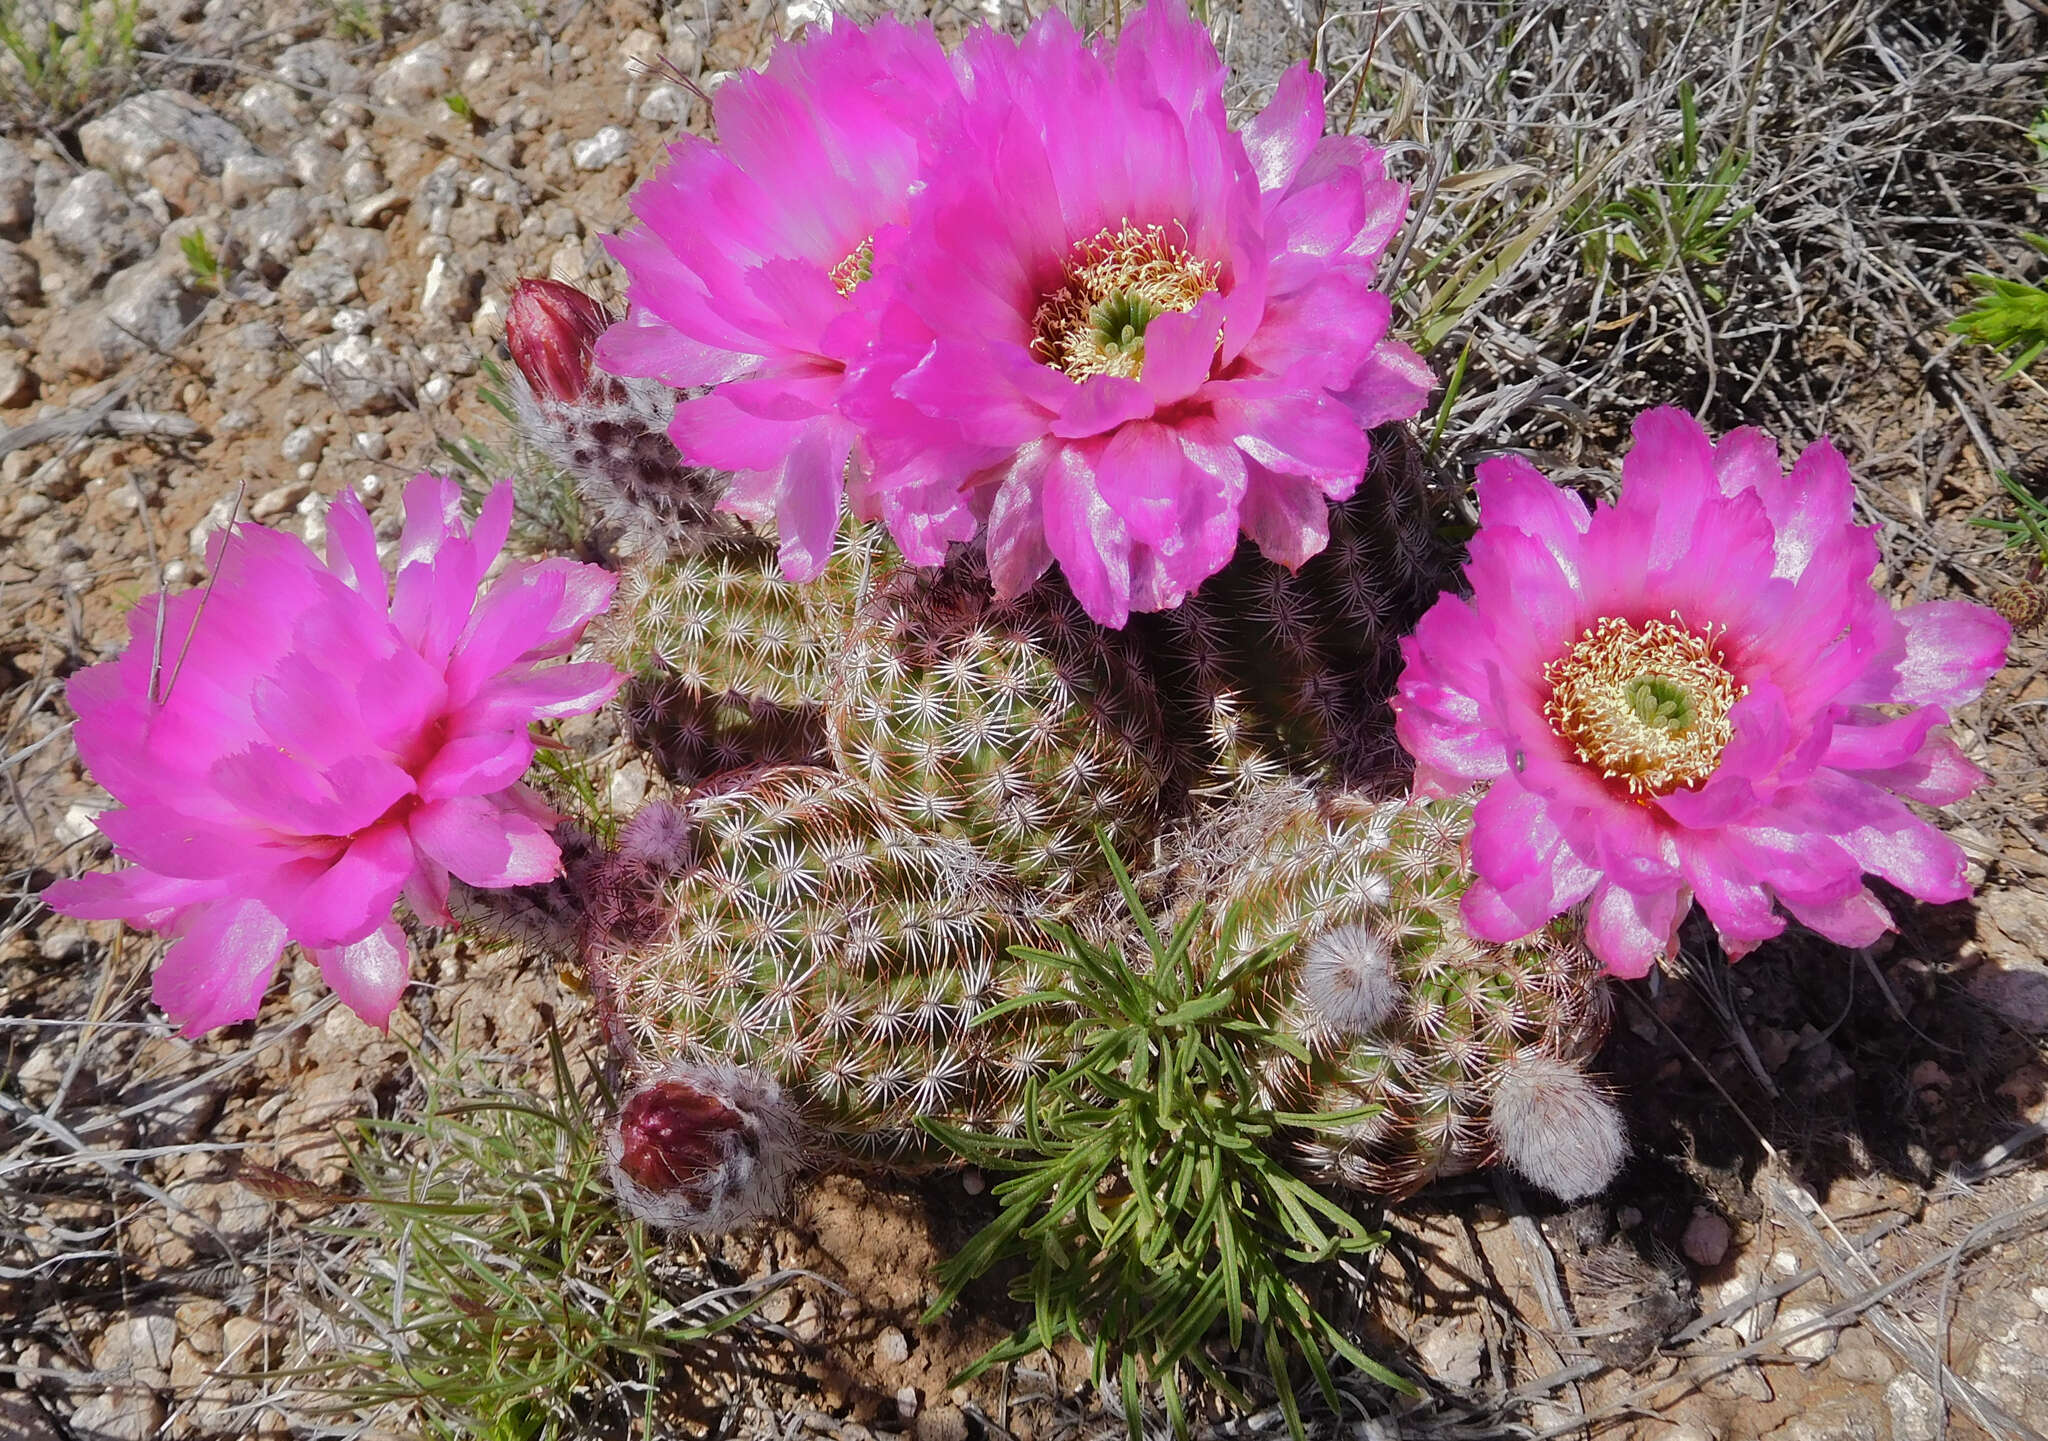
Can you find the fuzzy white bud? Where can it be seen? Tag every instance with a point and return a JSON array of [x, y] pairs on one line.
[[1348, 980], [1556, 1128]]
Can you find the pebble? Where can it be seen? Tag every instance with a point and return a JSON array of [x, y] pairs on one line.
[[1916, 1411], [361, 178], [246, 178], [143, 129], [321, 64], [378, 207], [146, 308], [372, 445], [419, 75], [270, 106], [17, 384], [21, 279], [137, 1347], [666, 104], [892, 1347], [275, 502], [17, 191], [94, 225], [973, 1182], [364, 378], [319, 281], [299, 444], [1706, 1240], [313, 162], [120, 1413], [80, 821], [609, 146], [906, 1402], [437, 389], [1814, 1345]]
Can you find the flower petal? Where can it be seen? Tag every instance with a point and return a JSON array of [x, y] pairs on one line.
[[369, 975]]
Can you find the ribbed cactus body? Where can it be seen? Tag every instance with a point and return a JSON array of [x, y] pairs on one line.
[[815, 940], [1272, 673], [732, 663], [1020, 727], [1399, 1007]]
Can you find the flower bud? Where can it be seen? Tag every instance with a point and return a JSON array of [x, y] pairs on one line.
[[670, 1137], [704, 1148], [551, 329]]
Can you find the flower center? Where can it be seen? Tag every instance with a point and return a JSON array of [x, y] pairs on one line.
[[1647, 706], [1117, 283], [857, 268]]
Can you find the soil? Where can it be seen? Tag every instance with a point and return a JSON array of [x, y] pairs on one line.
[[1782, 1110]]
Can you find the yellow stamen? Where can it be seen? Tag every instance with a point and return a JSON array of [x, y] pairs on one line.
[[857, 268], [1647, 706], [1117, 283]]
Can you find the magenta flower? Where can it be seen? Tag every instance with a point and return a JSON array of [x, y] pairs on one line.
[[316, 749], [1692, 694], [748, 268], [1119, 331]]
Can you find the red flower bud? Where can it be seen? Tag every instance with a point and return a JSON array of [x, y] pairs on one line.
[[551, 329], [671, 1134]]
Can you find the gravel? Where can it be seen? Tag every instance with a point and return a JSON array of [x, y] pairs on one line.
[[95, 226]]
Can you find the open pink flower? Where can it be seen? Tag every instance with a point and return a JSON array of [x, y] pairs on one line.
[[747, 268], [1692, 694], [305, 748], [1119, 331]]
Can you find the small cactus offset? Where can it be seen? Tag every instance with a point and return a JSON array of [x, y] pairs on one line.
[[1400, 1010]]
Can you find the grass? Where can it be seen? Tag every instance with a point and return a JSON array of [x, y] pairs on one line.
[[65, 70], [2010, 316], [489, 1288], [1144, 1200]]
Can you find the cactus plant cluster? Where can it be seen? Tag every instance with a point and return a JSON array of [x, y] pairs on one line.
[[892, 790]]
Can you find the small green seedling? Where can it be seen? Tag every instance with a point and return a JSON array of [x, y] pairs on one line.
[[2009, 316], [1144, 1199]]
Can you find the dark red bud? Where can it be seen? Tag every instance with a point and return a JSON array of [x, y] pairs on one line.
[[671, 1133], [551, 329]]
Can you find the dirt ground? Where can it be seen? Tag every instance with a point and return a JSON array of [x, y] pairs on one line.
[[1836, 1221]]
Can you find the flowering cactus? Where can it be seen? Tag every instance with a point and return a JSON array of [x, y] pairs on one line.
[[306, 748], [1678, 697]]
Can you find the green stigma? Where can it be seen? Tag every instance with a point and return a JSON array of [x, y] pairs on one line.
[[1662, 702]]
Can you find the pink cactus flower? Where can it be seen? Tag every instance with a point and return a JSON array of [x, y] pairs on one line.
[[748, 268], [304, 748], [1120, 332], [1692, 694]]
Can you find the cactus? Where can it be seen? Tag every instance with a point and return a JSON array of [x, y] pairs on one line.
[[844, 960], [1021, 727], [808, 937], [609, 434], [1271, 672], [1398, 1007], [732, 663]]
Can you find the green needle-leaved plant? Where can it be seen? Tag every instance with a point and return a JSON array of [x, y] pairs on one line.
[[2010, 316], [1144, 1196], [498, 1291]]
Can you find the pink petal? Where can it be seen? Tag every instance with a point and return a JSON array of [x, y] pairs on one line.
[[369, 975], [1857, 920], [352, 548], [483, 844], [220, 965], [1282, 136], [357, 892], [1514, 493], [1085, 536], [476, 764], [1629, 931], [133, 894], [1952, 648]]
